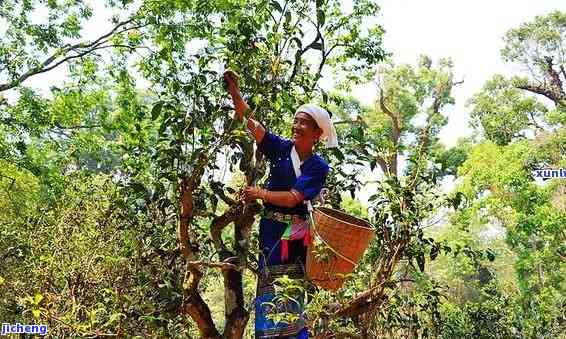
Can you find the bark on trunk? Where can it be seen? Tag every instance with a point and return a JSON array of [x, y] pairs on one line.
[[193, 304], [236, 315]]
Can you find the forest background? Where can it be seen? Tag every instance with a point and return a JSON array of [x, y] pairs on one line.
[[118, 213]]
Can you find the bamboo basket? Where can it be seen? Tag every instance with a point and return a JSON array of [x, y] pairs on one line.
[[339, 240]]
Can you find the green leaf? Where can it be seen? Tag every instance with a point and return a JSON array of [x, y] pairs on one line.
[[287, 17], [421, 261], [156, 110], [434, 252], [317, 45], [490, 255], [321, 17], [434, 293], [338, 154], [137, 187], [276, 5], [37, 298], [324, 97]]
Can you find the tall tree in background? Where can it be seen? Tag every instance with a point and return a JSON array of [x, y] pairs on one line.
[[525, 133], [404, 125]]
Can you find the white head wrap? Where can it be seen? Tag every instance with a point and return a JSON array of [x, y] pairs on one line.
[[322, 118]]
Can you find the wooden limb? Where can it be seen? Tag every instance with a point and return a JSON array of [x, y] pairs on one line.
[[538, 89], [221, 265], [323, 53], [220, 222], [351, 122], [415, 175], [196, 307], [554, 77], [186, 192], [394, 136], [193, 304], [298, 57], [534, 122], [323, 59], [425, 133], [394, 118], [236, 315], [458, 83], [222, 195], [383, 165], [282, 15], [334, 47], [374, 297], [58, 125]]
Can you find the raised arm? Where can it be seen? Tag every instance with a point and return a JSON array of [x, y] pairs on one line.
[[241, 106]]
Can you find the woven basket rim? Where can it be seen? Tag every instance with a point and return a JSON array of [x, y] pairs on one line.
[[321, 209]]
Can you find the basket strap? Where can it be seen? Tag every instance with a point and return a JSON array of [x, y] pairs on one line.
[[331, 248], [295, 160]]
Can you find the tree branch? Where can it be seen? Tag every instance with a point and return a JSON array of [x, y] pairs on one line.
[[221, 265], [298, 58], [554, 77], [220, 222], [222, 195], [195, 306], [382, 164], [81, 49], [458, 83], [374, 296], [396, 132], [58, 125], [542, 91], [186, 214]]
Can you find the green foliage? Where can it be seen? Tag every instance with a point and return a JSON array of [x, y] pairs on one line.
[[532, 42], [451, 159], [74, 265], [500, 178], [504, 113]]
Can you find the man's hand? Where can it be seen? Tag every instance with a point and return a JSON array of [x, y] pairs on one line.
[[232, 83], [231, 80], [253, 193]]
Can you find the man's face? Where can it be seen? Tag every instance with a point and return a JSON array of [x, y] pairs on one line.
[[305, 129]]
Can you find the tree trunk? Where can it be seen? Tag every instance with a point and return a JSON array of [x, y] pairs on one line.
[[236, 314]]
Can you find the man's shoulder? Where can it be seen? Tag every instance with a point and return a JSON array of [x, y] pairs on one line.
[[281, 140], [317, 162]]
